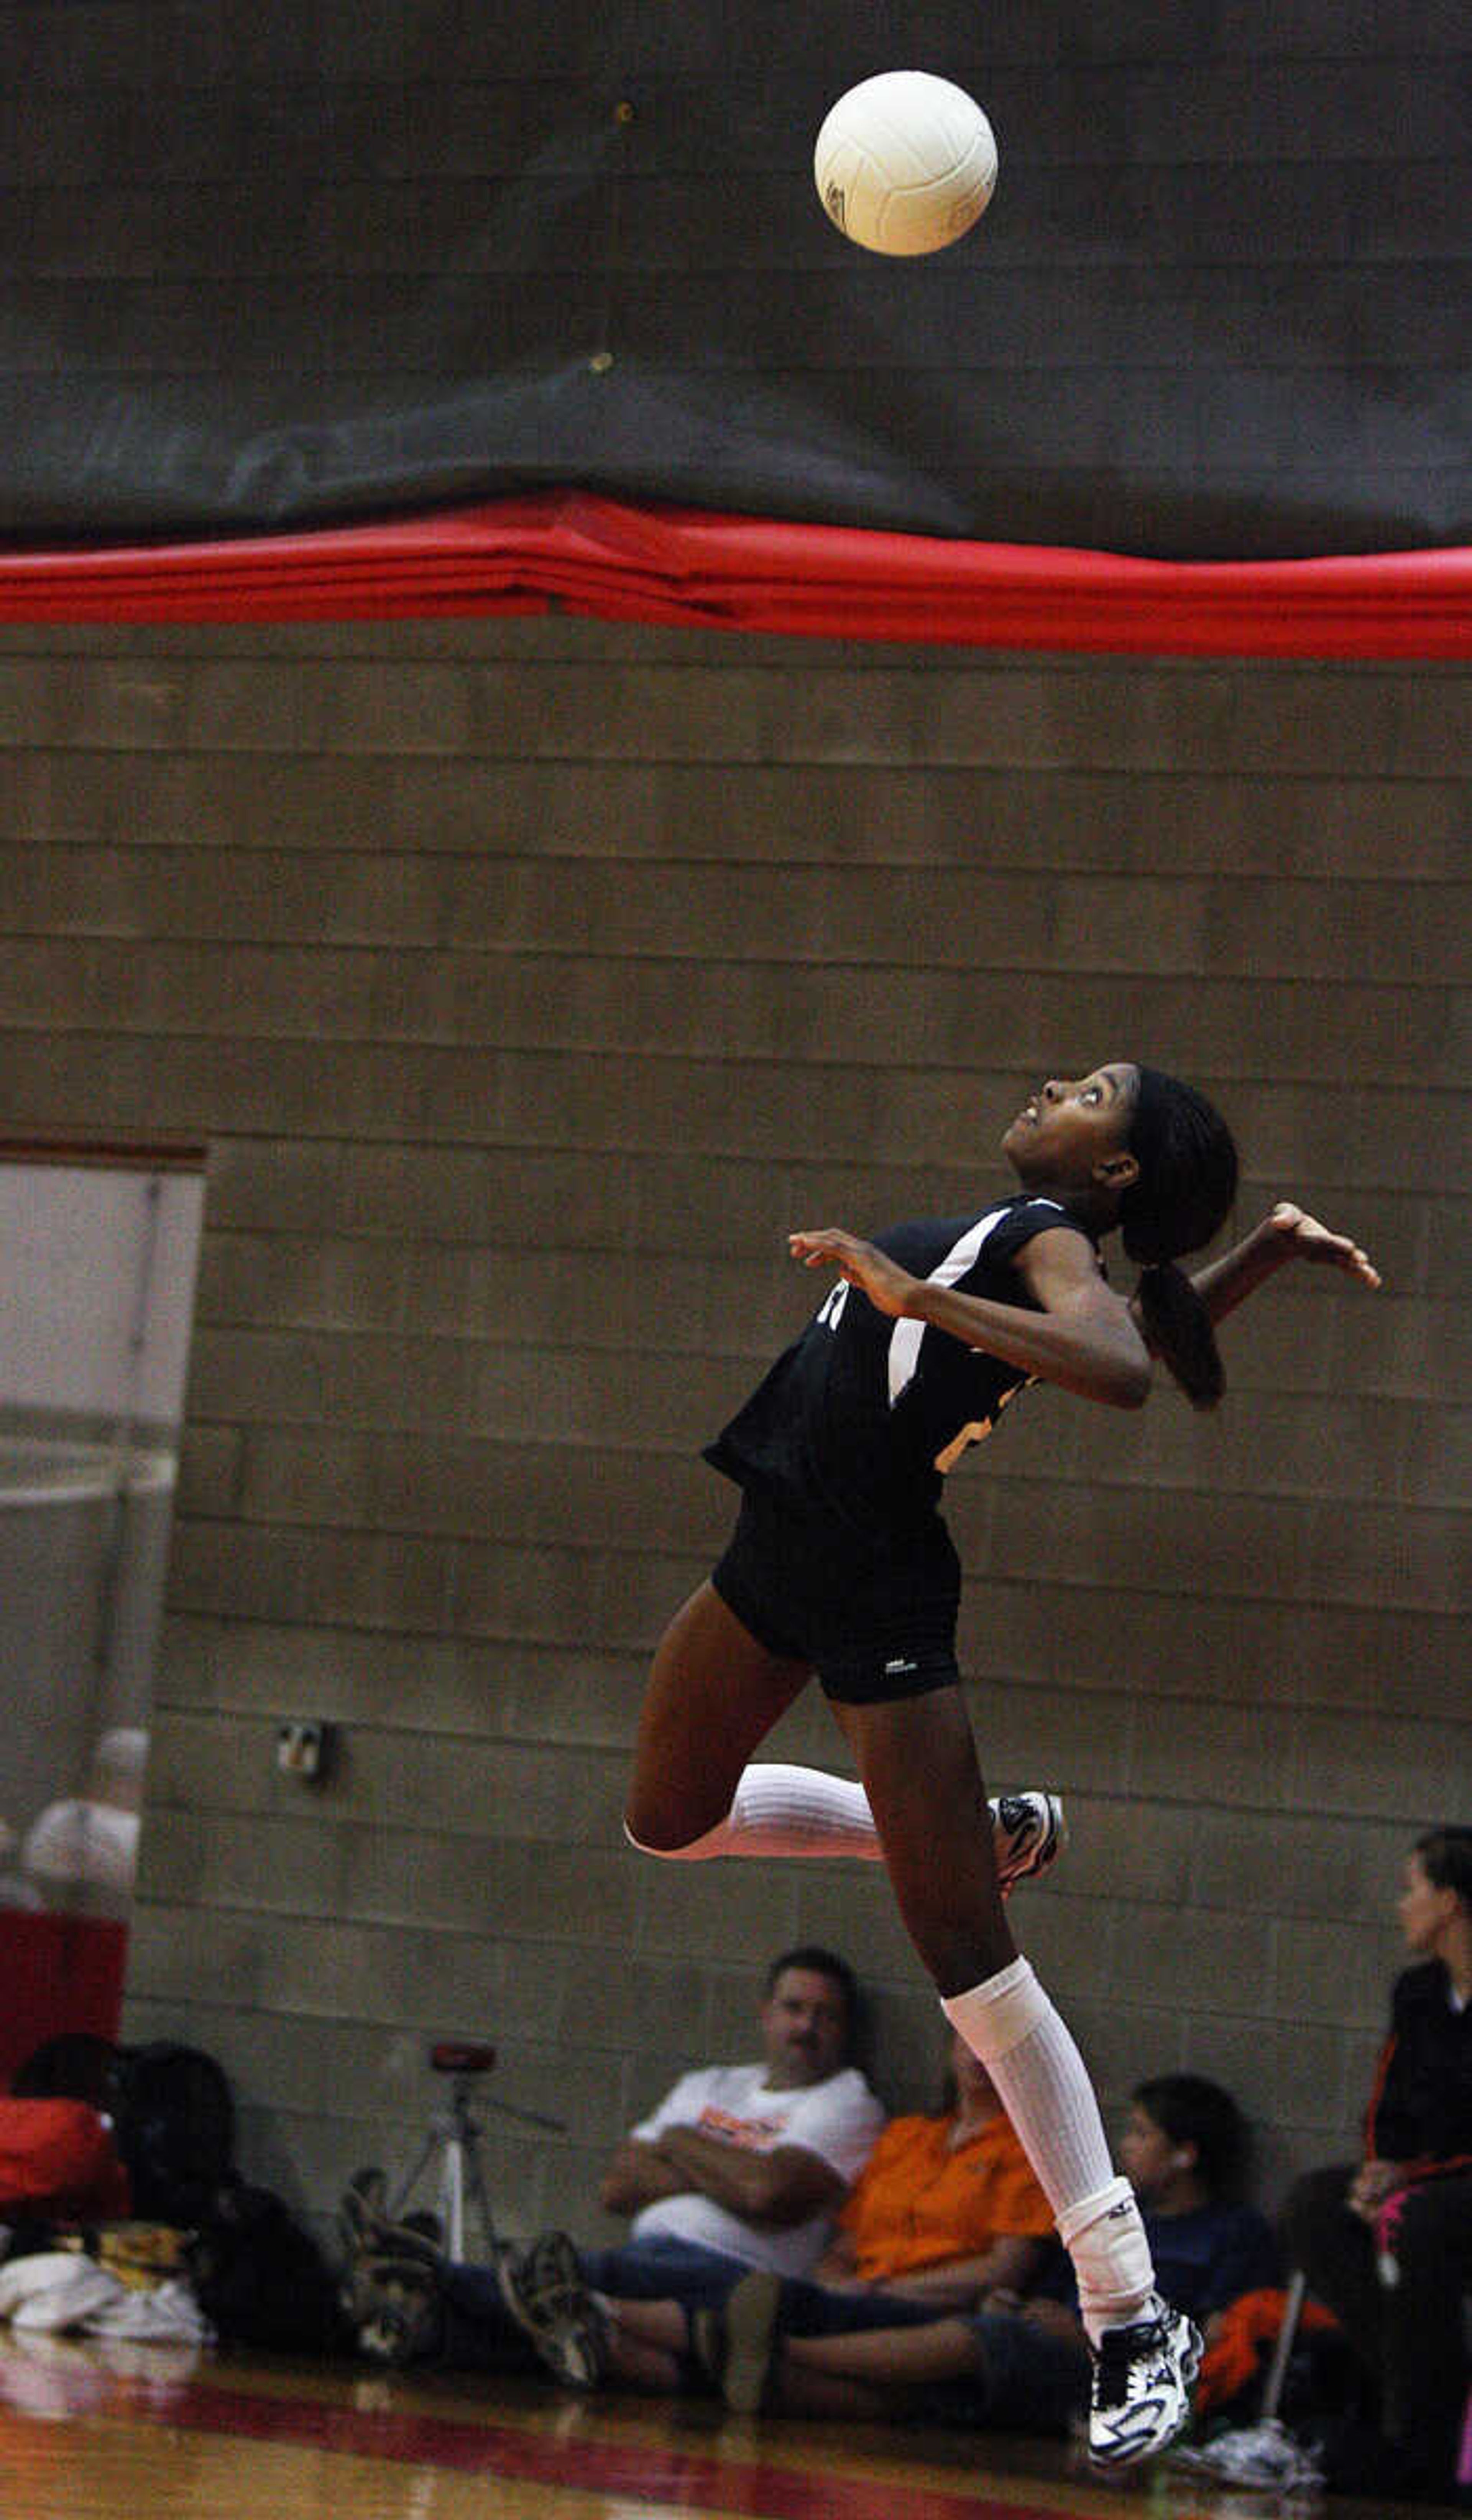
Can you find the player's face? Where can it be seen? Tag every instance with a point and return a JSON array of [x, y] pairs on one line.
[[804, 2029], [1071, 1126]]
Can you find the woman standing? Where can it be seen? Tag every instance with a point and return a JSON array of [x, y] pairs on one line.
[[1387, 2243]]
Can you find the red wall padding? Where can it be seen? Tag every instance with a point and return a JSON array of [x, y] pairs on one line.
[[595, 556]]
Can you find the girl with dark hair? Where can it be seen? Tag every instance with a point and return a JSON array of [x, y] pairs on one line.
[[841, 1564], [1194, 2127]]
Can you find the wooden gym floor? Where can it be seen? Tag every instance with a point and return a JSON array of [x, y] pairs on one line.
[[114, 2432]]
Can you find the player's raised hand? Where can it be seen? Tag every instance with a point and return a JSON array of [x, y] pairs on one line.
[[1312, 1240], [887, 1286]]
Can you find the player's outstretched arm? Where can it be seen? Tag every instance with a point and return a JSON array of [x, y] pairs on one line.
[[1289, 1232]]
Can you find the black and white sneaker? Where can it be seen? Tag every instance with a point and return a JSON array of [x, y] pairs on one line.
[[1141, 2397], [367, 2229], [1029, 1833], [542, 2289], [396, 2311], [362, 2208]]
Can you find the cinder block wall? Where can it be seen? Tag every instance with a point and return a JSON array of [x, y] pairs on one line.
[[528, 979]]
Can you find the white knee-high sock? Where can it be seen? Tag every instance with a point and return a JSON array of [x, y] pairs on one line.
[[1010, 2024], [779, 1809]]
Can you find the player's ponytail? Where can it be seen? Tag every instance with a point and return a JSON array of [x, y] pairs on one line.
[[1178, 1327], [1186, 1183]]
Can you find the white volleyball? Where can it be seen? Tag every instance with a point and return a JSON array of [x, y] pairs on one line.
[[904, 163]]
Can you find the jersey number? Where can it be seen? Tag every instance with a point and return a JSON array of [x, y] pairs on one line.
[[830, 1310]]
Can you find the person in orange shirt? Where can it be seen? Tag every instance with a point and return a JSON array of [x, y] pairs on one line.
[[1001, 2361], [944, 2211]]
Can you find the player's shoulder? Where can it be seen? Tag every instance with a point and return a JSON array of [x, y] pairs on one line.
[[975, 1233], [1039, 1213], [1023, 1220]]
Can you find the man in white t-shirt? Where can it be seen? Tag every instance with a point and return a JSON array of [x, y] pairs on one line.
[[752, 2162], [739, 2167]]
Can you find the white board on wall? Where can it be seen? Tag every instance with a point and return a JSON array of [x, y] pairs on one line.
[[96, 1287]]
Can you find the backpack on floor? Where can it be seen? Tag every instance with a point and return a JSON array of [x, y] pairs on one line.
[[175, 2120], [261, 2278], [58, 2164]]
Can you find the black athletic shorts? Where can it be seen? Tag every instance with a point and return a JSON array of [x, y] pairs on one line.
[[873, 1623]]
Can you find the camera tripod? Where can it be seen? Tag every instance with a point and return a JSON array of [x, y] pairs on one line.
[[454, 2135]]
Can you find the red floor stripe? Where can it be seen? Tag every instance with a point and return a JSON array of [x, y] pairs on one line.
[[636, 2471]]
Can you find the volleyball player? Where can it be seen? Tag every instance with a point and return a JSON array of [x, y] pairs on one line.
[[841, 1566]]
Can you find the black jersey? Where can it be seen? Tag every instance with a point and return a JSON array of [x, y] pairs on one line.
[[862, 1415], [1422, 2109]]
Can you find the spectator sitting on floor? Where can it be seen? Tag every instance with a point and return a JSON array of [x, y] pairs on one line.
[[752, 2163], [946, 2207], [1009, 2362], [944, 2211], [1184, 2147], [1387, 2244], [739, 2167]]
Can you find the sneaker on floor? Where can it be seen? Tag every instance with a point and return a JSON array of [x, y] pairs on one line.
[[1029, 1833], [542, 2289], [1265, 2456], [424, 2226], [375, 2242], [1140, 2397], [417, 2239], [363, 2205], [396, 2311]]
